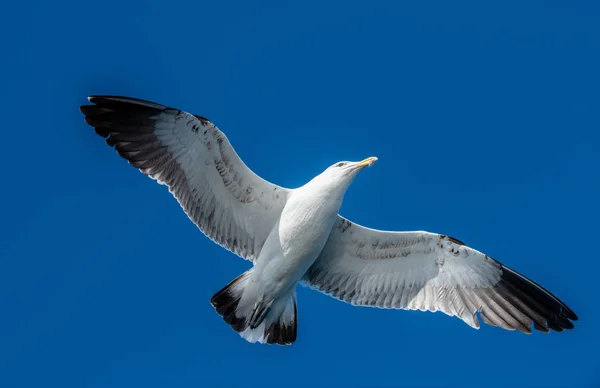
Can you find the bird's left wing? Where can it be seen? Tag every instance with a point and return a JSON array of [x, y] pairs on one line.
[[431, 272], [226, 200]]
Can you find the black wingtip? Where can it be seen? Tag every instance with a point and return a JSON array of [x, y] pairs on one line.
[[558, 316], [122, 102], [109, 115]]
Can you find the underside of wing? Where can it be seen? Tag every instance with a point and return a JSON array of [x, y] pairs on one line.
[[226, 200], [432, 272]]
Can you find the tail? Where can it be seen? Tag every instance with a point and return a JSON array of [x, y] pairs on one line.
[[274, 322]]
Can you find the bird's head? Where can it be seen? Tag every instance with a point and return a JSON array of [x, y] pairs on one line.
[[340, 175]]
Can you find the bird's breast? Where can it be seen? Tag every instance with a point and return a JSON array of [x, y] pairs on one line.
[[304, 227]]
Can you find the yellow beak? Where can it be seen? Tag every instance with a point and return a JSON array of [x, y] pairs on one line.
[[367, 162]]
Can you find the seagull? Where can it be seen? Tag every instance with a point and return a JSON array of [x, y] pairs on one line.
[[297, 236]]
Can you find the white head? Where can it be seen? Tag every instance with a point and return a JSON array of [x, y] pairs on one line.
[[337, 178]]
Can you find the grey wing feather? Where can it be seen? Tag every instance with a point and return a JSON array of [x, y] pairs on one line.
[[431, 272], [226, 200]]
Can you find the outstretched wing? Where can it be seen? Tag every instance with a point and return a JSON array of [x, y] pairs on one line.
[[431, 272], [228, 202]]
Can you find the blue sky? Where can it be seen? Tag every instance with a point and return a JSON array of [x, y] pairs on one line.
[[485, 121]]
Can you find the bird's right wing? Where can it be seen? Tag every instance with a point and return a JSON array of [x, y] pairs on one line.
[[431, 272], [226, 200]]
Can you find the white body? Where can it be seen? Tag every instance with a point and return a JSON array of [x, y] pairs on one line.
[[293, 245]]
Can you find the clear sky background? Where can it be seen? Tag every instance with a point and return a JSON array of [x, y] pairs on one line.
[[485, 119]]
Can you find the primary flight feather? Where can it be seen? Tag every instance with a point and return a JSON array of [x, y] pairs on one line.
[[296, 236]]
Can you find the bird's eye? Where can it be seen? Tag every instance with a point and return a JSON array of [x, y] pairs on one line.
[[340, 164]]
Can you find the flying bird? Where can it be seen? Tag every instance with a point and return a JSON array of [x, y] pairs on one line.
[[296, 236]]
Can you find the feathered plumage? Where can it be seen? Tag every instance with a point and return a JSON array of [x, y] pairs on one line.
[[296, 236]]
